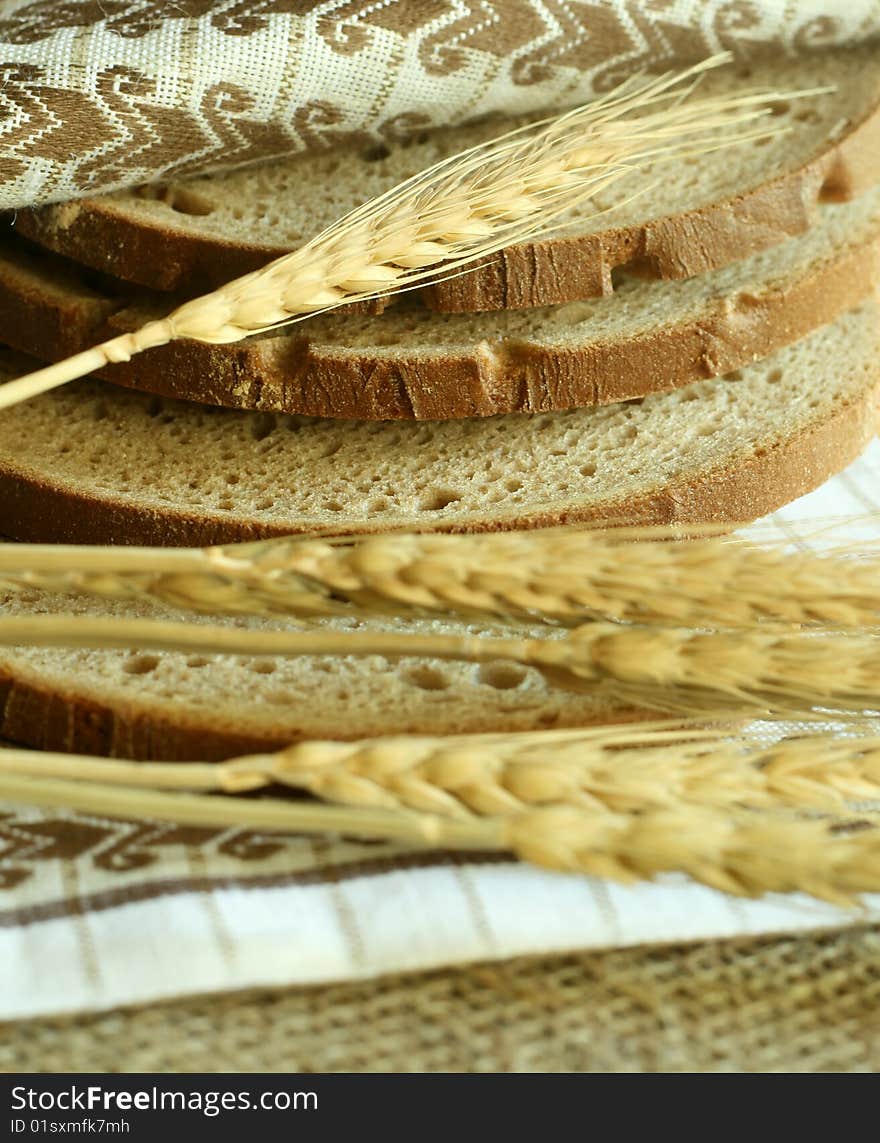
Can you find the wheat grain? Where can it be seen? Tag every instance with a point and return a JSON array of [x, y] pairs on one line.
[[449, 774], [748, 854], [451, 216], [617, 768], [622, 769], [675, 670], [564, 576]]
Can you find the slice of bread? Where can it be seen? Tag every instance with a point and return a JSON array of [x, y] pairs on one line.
[[175, 706], [94, 463], [411, 363], [680, 218]]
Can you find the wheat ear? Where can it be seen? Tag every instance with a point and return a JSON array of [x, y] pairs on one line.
[[676, 670], [748, 854], [450, 216], [623, 769], [559, 575]]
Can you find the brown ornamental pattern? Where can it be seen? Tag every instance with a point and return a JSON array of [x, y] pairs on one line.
[[113, 846], [205, 84]]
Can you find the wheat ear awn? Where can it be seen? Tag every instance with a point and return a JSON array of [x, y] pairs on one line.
[[564, 576], [677, 670], [622, 769], [747, 853], [452, 215]]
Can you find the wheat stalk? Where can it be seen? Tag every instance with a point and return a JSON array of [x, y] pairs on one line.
[[748, 854], [677, 670], [622, 769], [451, 216], [560, 575]]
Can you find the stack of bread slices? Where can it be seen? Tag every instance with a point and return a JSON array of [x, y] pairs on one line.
[[705, 351]]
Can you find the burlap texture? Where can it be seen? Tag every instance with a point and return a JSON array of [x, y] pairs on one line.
[[97, 94], [805, 1004]]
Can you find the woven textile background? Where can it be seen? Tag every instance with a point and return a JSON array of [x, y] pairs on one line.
[[807, 1003], [99, 94]]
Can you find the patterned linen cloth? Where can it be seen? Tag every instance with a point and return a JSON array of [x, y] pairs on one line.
[[97, 913], [100, 94]]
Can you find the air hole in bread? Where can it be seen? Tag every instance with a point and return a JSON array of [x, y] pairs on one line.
[[376, 154], [140, 664], [780, 107], [638, 267], [196, 661], [834, 189], [262, 426], [439, 499], [774, 376], [587, 470], [180, 199], [263, 667], [427, 679], [185, 201], [501, 676]]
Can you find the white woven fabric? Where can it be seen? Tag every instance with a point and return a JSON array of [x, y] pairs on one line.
[[95, 96], [95, 913]]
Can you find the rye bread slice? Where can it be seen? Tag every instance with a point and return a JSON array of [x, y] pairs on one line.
[[410, 363], [177, 707], [94, 463], [688, 216]]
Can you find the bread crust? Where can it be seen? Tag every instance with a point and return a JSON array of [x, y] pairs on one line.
[[51, 716], [35, 510], [98, 233], [293, 374]]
